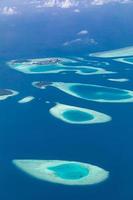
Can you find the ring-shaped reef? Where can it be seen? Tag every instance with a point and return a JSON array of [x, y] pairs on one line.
[[128, 51], [63, 172], [6, 93], [95, 92], [54, 65], [78, 115]]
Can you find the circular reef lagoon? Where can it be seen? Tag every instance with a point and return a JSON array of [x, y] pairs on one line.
[[77, 115], [127, 51], [63, 172], [53, 66], [95, 92], [6, 93]]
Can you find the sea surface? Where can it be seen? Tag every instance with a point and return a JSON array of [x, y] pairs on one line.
[[28, 131]]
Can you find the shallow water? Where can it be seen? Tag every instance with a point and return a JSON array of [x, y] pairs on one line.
[[77, 116], [70, 171]]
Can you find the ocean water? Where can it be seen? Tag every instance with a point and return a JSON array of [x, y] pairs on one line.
[[28, 131]]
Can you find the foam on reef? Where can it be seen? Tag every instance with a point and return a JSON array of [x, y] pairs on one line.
[[95, 92], [128, 51], [63, 172], [78, 115], [6, 93]]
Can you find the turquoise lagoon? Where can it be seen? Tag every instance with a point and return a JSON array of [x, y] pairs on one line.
[[70, 171]]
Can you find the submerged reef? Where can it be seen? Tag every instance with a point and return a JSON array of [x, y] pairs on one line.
[[95, 92], [63, 172], [118, 79], [77, 115], [128, 51], [26, 99]]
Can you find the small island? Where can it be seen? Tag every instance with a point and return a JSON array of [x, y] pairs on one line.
[[48, 61]]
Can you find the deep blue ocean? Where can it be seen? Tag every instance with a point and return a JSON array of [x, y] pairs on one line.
[[28, 131]]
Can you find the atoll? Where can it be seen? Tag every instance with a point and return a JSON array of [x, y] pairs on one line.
[[78, 115], [95, 92], [63, 172]]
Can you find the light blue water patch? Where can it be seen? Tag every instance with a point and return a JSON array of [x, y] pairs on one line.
[[45, 69], [70, 171], [96, 92], [59, 68]]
